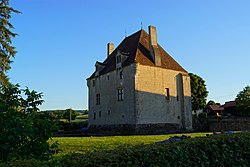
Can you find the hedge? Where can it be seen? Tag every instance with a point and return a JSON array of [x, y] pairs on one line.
[[216, 150]]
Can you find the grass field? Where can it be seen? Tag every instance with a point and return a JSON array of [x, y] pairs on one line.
[[79, 118], [95, 144]]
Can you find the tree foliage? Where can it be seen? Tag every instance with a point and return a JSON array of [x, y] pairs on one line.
[[65, 114], [70, 114], [7, 51], [211, 102], [24, 131], [199, 92], [243, 101]]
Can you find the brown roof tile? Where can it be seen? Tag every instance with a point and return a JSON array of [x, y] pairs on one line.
[[136, 46], [229, 104], [215, 107]]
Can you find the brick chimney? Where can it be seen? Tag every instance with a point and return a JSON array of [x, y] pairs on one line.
[[154, 50], [110, 48]]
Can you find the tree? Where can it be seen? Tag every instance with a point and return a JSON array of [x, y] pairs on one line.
[[70, 114], [24, 131], [198, 92], [210, 102], [243, 101], [7, 51]]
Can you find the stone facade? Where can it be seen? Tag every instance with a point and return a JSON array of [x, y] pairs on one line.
[[153, 105], [139, 88], [112, 111]]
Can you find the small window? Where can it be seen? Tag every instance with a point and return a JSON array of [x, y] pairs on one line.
[[98, 99], [167, 95], [108, 77], [118, 59], [93, 83], [120, 94], [108, 112], [94, 116], [177, 97], [121, 75], [100, 114]]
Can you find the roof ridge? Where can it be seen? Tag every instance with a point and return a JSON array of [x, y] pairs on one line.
[[138, 43], [138, 47]]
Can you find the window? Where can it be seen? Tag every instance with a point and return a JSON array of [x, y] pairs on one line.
[[94, 115], [98, 99], [167, 94], [108, 112], [120, 94], [93, 83], [121, 75], [177, 98], [100, 114], [108, 76], [118, 59]]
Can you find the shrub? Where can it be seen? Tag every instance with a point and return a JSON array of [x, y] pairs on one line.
[[24, 163], [72, 127], [24, 131], [233, 150], [215, 150]]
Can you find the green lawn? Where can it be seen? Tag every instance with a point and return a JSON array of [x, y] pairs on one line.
[[92, 144], [83, 116]]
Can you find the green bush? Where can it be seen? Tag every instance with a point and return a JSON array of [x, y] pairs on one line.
[[24, 131], [216, 150], [24, 163], [71, 127], [223, 150]]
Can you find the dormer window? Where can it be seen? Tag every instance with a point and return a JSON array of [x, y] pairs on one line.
[[98, 67], [118, 59]]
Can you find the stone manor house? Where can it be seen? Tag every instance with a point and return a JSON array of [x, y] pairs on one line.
[[139, 88]]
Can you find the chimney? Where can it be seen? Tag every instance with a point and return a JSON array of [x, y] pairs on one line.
[[110, 48], [152, 35], [154, 50]]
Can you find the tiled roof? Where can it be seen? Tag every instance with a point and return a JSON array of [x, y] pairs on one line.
[[229, 104], [215, 107], [136, 47]]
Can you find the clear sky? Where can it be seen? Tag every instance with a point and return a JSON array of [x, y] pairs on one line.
[[60, 40]]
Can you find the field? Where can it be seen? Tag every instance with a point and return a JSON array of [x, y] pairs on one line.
[[79, 118], [98, 144]]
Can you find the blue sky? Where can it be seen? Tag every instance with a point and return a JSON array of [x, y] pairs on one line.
[[60, 40]]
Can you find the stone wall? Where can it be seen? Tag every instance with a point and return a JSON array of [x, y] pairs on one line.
[[128, 129], [228, 124], [110, 111], [146, 100], [154, 105], [161, 128]]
